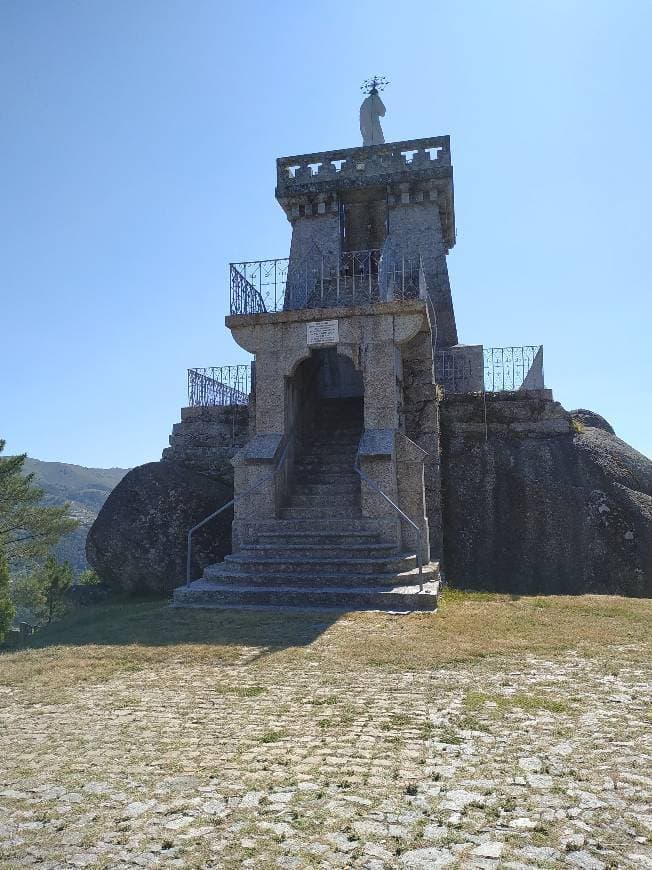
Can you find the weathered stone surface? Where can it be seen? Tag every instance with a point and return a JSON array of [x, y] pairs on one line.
[[137, 544], [546, 512], [590, 418], [207, 435]]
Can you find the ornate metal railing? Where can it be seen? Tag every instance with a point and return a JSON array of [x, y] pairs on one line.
[[325, 281], [499, 369], [219, 385], [258, 286], [509, 368], [454, 372]]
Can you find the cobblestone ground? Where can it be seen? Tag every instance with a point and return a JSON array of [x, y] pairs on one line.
[[288, 758]]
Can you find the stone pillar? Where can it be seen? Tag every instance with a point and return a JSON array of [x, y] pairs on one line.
[[254, 470], [415, 228], [410, 460], [378, 465]]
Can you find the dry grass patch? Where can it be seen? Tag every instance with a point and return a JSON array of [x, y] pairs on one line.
[[469, 626], [95, 644]]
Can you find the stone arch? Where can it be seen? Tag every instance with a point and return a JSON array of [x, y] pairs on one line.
[[321, 375], [351, 351]]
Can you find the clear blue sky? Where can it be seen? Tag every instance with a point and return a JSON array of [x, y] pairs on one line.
[[137, 149]]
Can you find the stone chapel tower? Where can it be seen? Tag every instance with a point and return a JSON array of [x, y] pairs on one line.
[[337, 491]]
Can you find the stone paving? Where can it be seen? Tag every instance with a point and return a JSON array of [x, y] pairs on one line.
[[277, 760]]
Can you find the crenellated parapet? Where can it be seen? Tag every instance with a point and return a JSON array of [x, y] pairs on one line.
[[408, 172]]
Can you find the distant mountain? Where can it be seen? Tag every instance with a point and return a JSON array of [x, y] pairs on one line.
[[86, 489]]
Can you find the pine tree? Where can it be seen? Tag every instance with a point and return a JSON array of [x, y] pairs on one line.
[[28, 528], [7, 609], [55, 580]]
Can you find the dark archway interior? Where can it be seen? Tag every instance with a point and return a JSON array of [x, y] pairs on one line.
[[325, 387]]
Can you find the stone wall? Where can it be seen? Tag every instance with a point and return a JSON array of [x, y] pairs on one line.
[[320, 232], [531, 413], [536, 502], [415, 228], [207, 437]]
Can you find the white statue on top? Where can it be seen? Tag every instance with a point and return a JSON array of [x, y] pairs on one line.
[[371, 111]]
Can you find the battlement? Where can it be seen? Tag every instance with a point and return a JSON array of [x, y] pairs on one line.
[[412, 171]]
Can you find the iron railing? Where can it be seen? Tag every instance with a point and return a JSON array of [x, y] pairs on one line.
[[508, 369], [404, 516], [278, 465], [504, 369], [454, 372], [258, 483], [325, 281], [258, 286], [219, 385]]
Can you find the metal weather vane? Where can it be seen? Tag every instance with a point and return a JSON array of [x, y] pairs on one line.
[[374, 85]]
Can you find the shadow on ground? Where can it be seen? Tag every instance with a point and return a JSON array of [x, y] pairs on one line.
[[156, 623]]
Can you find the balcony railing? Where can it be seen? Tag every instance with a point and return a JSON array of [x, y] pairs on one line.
[[325, 281], [502, 369], [219, 385]]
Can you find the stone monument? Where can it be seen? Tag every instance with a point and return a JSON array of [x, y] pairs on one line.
[[348, 493], [337, 490], [371, 111]]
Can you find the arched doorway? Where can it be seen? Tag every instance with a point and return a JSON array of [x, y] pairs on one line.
[[325, 384], [325, 414]]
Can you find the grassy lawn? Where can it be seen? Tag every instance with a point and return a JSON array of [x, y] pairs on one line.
[[137, 735], [93, 644]]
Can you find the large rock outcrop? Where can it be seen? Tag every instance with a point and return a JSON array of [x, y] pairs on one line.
[[536, 500], [137, 544]]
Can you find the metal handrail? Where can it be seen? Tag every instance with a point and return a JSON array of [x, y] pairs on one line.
[[374, 486], [277, 467]]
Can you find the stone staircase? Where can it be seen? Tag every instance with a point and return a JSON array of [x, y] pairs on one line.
[[321, 552]]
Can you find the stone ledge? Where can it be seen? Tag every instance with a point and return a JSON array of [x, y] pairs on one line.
[[538, 429], [213, 413], [506, 396], [304, 315]]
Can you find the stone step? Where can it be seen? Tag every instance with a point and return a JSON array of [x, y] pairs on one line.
[[325, 431], [325, 512], [342, 565], [334, 549], [326, 436], [344, 471], [231, 572], [319, 538], [334, 525], [337, 460], [336, 454], [315, 474], [328, 500], [334, 488], [399, 598]]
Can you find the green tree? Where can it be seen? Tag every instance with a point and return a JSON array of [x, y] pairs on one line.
[[88, 578], [27, 595], [55, 580], [7, 609], [28, 528]]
